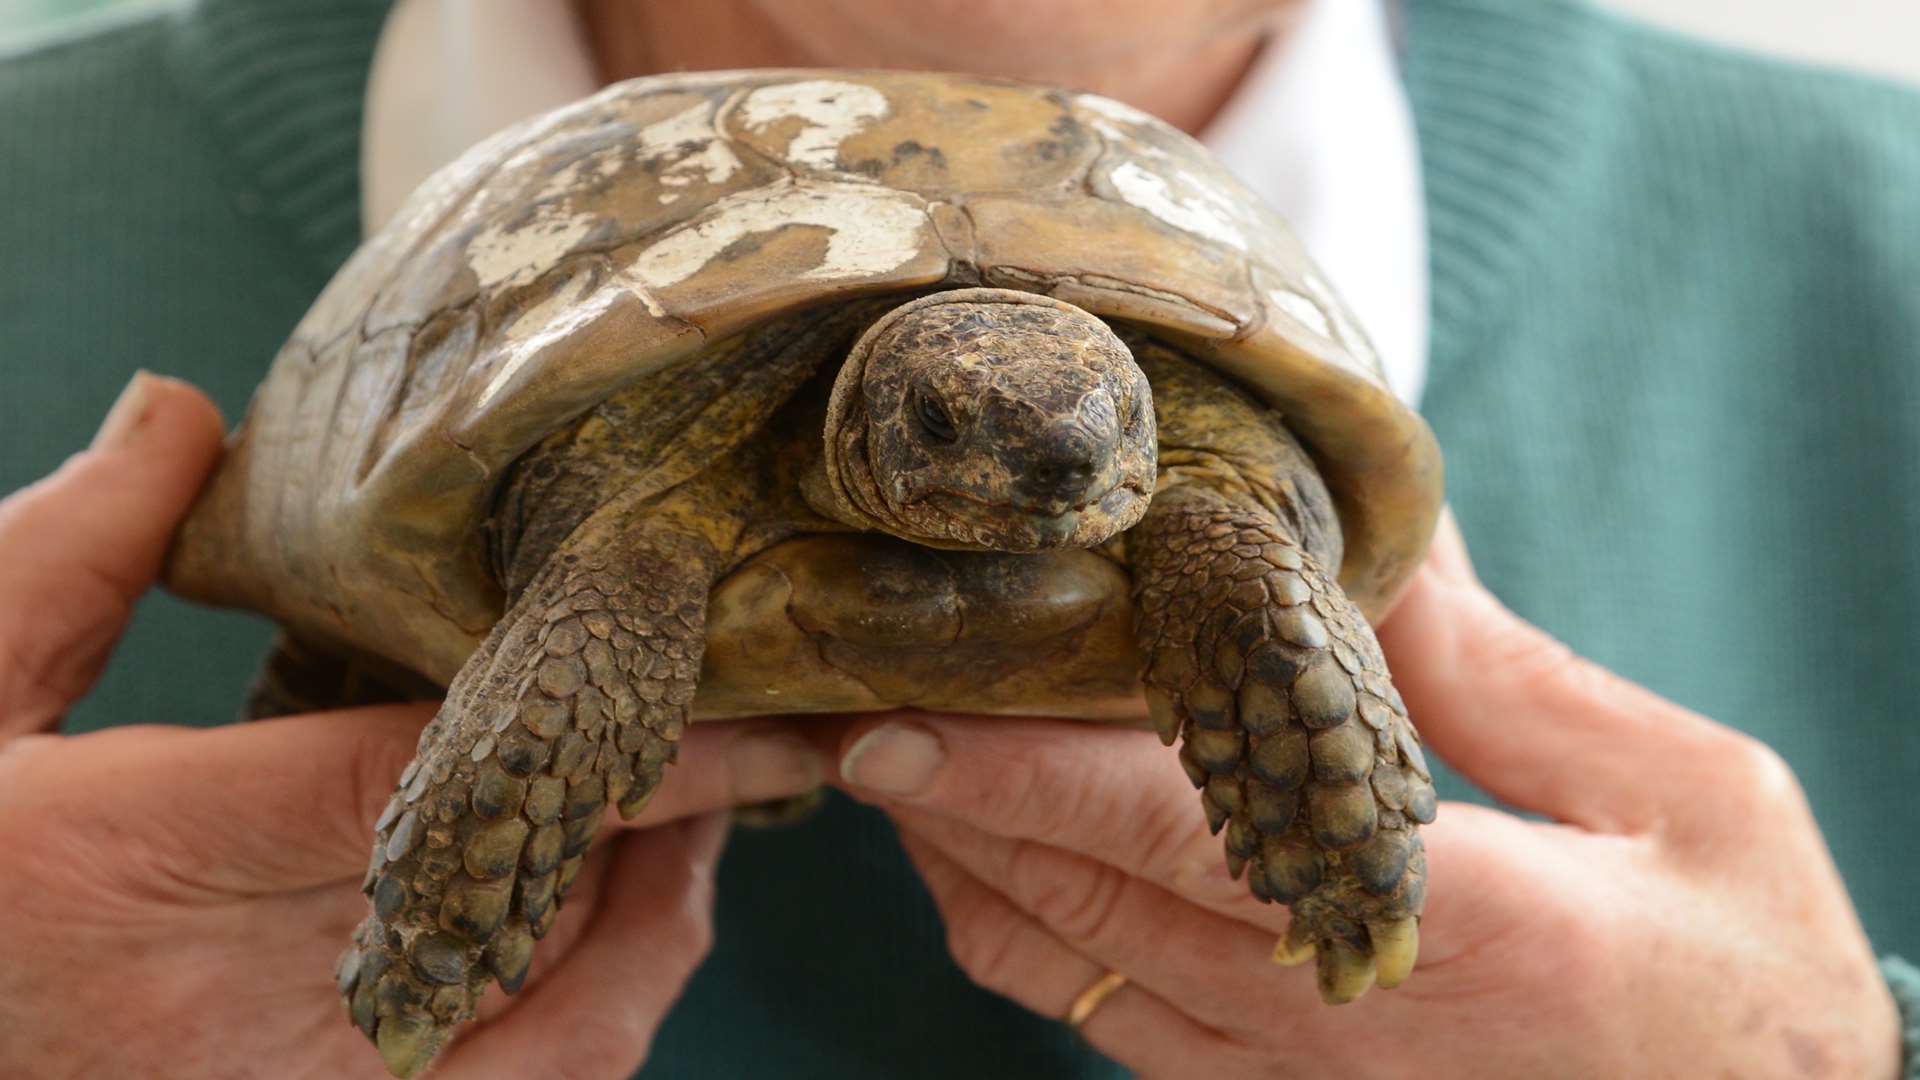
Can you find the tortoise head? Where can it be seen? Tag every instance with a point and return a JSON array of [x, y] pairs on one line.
[[991, 419]]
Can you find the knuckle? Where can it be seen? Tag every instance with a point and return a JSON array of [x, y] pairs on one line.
[[1498, 639], [1079, 902], [692, 940], [1034, 799], [1545, 671], [686, 927], [1172, 836], [1758, 777], [1538, 662], [984, 944]]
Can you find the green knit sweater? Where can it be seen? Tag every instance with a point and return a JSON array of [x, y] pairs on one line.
[[1675, 370]]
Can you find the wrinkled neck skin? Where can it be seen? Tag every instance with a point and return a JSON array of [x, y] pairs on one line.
[[853, 496]]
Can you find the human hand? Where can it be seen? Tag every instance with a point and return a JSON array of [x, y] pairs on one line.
[[174, 899], [1680, 916]]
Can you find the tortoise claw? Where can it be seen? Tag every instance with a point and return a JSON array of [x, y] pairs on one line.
[[406, 1044], [1346, 972], [1396, 945], [1289, 952]]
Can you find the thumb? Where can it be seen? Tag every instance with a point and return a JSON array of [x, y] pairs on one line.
[[78, 548], [1538, 727]]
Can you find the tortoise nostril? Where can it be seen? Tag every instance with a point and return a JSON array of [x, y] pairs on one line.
[[1063, 470], [1054, 475]]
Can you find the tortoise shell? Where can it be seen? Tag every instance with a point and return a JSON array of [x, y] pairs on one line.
[[556, 263]]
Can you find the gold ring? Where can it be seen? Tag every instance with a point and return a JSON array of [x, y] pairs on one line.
[[1093, 997]]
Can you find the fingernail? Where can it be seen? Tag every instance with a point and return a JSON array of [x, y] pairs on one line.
[[772, 765], [894, 758], [124, 418]]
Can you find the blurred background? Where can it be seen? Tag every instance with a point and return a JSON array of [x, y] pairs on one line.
[[1878, 36]]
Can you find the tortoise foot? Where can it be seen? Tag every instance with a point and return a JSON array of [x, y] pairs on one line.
[[1298, 742], [574, 703], [1357, 942], [472, 861]]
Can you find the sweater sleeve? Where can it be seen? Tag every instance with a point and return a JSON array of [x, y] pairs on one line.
[[1904, 979]]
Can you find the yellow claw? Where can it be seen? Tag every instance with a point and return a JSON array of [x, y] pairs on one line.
[[1294, 947], [1396, 945], [1345, 973], [406, 1044]]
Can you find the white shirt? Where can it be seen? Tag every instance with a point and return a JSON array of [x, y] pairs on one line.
[[1320, 129]]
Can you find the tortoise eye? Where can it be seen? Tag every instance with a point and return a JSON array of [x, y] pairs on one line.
[[933, 418], [1134, 413]]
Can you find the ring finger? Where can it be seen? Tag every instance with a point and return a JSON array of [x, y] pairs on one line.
[[1011, 953], [1211, 967]]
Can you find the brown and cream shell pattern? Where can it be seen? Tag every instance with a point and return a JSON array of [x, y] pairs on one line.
[[561, 260]]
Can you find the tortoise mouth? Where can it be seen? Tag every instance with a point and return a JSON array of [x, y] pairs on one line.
[[1023, 525], [1027, 507]]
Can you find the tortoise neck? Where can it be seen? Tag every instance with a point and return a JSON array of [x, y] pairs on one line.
[[841, 486]]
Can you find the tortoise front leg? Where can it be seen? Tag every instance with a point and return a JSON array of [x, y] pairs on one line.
[[578, 698], [1297, 739]]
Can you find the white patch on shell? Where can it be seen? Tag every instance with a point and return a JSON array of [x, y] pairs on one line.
[[871, 229], [1302, 309], [1116, 110], [1108, 112], [566, 312], [501, 254], [1199, 209], [686, 147], [1346, 331], [830, 112]]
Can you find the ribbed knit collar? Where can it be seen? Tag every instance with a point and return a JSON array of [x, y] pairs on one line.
[[1503, 92], [284, 81], [1511, 98]]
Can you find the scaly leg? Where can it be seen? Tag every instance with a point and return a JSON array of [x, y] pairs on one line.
[[577, 699], [1298, 741]]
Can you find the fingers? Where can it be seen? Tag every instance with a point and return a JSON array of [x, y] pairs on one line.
[[1116, 796], [1540, 728], [729, 764], [1112, 797], [1005, 950], [78, 548], [596, 1014], [1512, 899], [290, 802], [1188, 956]]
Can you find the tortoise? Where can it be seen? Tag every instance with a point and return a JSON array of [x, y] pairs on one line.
[[732, 393]]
